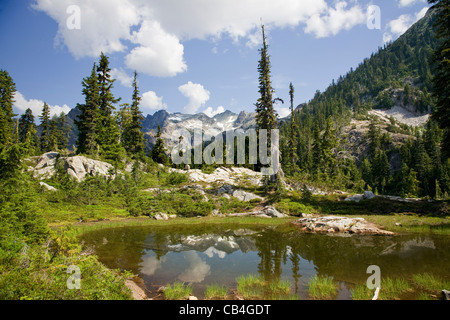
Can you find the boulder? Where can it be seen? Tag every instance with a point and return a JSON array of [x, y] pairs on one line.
[[274, 213], [77, 167], [245, 196], [445, 295], [161, 216], [80, 167], [331, 224]]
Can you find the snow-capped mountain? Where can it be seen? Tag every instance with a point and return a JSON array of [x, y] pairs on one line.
[[171, 122]]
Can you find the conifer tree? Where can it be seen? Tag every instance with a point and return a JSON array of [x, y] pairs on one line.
[[45, 126], [266, 117], [58, 132], [133, 135], [88, 119], [53, 134], [108, 137], [293, 141], [159, 151], [26, 124], [316, 148], [7, 91]]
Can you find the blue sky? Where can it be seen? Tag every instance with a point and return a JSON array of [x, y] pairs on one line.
[[191, 55]]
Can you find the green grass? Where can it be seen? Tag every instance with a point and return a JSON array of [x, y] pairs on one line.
[[361, 292], [322, 287], [216, 292], [429, 282], [250, 286], [178, 291], [392, 289], [254, 287]]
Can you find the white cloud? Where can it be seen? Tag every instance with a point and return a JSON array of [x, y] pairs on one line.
[[22, 104], [407, 3], [158, 54], [210, 112], [122, 77], [104, 24], [151, 102], [196, 94], [399, 26], [151, 32], [335, 20]]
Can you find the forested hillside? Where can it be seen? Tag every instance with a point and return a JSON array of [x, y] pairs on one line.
[[394, 158]]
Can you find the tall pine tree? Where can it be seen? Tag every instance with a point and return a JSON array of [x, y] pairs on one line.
[[159, 150], [45, 126], [88, 119], [7, 91], [266, 116], [133, 137], [108, 137]]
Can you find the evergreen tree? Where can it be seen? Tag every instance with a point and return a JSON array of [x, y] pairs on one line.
[[380, 170], [266, 117], [366, 172], [63, 132], [441, 79], [53, 134], [316, 148], [58, 137], [409, 185], [293, 141], [108, 137], [45, 126], [27, 129], [329, 145], [133, 135], [159, 151], [26, 121], [7, 91], [88, 119]]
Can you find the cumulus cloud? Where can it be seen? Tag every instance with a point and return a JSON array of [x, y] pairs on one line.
[[399, 26], [151, 32], [123, 77], [151, 102], [210, 112], [103, 24], [335, 20], [196, 94], [22, 104], [158, 54]]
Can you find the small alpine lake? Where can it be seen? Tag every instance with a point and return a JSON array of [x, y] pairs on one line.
[[218, 254]]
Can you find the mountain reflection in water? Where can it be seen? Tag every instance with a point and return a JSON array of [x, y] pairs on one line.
[[211, 254]]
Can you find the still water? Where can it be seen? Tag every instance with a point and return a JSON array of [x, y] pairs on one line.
[[218, 254]]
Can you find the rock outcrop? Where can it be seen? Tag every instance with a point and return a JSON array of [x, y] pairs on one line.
[[78, 167], [226, 176], [332, 224]]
